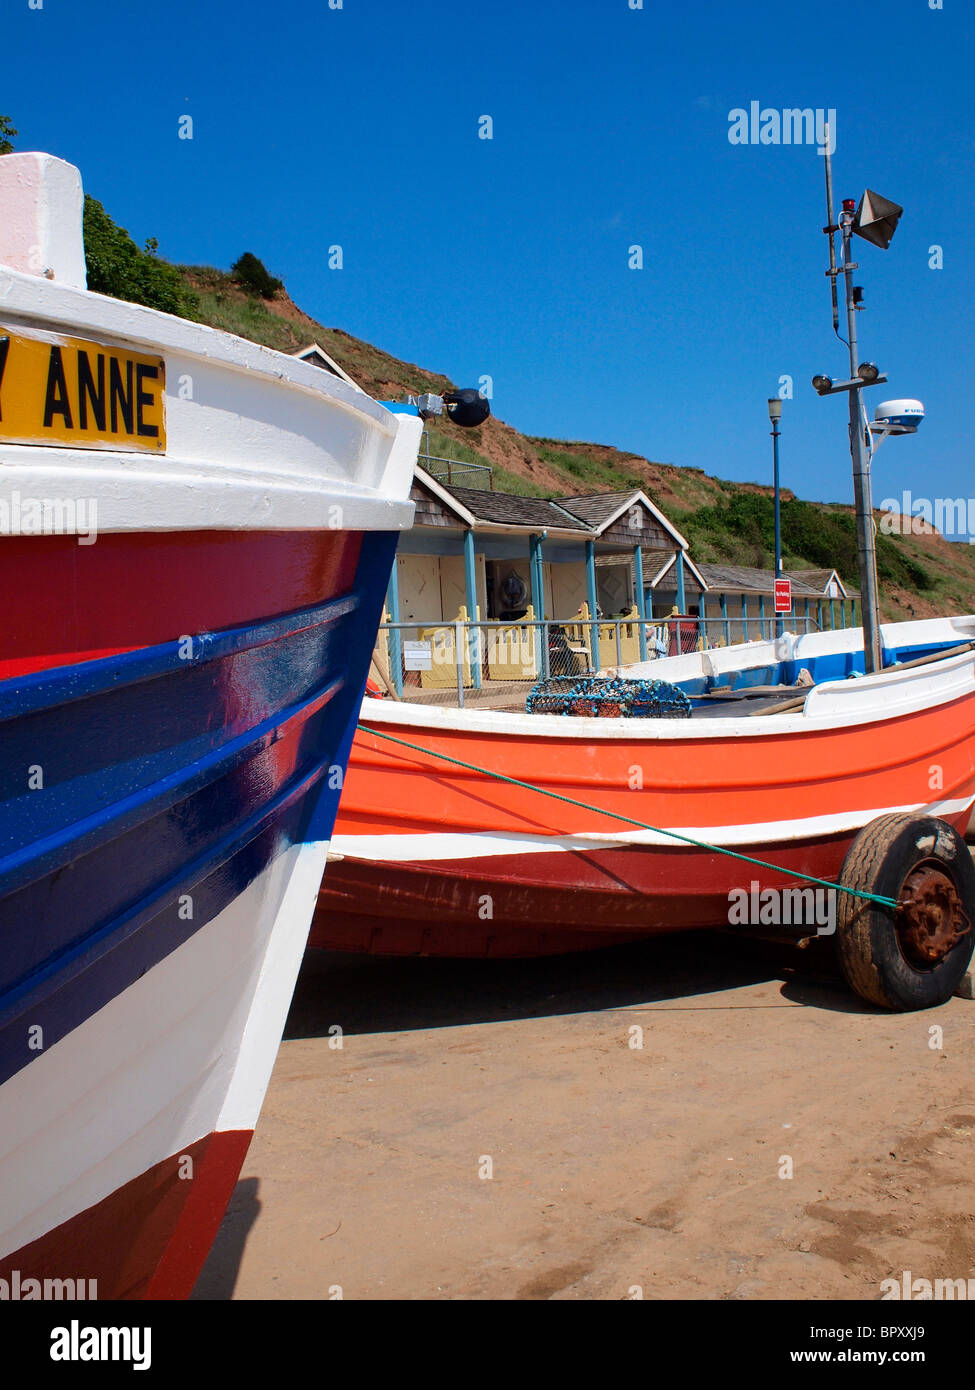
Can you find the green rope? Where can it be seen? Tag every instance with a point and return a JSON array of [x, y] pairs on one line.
[[642, 825]]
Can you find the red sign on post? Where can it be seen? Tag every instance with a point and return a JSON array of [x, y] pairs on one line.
[[783, 596]]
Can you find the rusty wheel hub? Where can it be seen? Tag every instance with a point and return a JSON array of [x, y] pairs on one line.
[[930, 920]]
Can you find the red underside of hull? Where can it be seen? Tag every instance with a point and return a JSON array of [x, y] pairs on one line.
[[136, 589], [542, 904], [168, 1219]]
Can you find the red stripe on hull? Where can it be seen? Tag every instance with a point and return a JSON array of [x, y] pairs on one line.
[[68, 602], [541, 904], [379, 937], [151, 1237]]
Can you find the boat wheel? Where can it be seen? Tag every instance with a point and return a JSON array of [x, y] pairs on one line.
[[931, 921], [914, 956]]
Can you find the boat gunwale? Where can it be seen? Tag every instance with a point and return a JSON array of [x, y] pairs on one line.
[[43, 306], [433, 719]]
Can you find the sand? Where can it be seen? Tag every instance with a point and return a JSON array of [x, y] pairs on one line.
[[492, 1131]]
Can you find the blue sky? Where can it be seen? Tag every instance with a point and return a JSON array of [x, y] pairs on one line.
[[358, 126]]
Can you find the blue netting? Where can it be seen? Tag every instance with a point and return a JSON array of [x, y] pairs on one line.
[[614, 697]]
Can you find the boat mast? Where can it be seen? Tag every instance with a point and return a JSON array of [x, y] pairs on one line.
[[860, 447]]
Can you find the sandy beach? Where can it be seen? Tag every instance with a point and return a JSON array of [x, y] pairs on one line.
[[609, 1125]]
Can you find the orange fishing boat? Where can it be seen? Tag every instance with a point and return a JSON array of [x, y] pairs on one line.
[[472, 832]]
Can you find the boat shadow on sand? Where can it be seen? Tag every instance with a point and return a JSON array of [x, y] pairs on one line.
[[218, 1278], [378, 994]]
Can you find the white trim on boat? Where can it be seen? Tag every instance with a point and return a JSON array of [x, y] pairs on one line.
[[30, 299], [423, 848], [255, 439]]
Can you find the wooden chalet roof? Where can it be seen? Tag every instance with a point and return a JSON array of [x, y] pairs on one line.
[[509, 509]]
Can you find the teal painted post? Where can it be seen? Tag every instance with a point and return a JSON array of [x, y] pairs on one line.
[[761, 615], [681, 596], [538, 576], [470, 587], [724, 614], [591, 589], [641, 603], [832, 614], [819, 613], [807, 615], [395, 637], [538, 600], [744, 616]]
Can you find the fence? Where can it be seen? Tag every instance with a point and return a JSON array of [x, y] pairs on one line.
[[453, 471], [483, 662]]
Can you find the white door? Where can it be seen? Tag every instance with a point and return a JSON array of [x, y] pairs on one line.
[[568, 589], [419, 588], [453, 585]]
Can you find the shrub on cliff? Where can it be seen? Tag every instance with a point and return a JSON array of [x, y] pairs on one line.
[[117, 267], [251, 275]]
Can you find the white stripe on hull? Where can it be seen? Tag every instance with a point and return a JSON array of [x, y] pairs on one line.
[[427, 848], [186, 1050], [279, 971]]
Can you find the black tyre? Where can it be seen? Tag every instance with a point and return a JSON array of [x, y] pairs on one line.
[[915, 956]]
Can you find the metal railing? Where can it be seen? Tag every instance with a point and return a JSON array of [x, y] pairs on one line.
[[455, 471], [493, 664], [720, 631]]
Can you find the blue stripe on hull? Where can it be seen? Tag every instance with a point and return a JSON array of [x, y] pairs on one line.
[[829, 666], [164, 777]]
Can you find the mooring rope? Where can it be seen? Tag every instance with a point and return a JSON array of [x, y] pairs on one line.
[[628, 820]]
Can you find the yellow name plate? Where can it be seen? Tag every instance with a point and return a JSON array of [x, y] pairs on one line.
[[79, 394]]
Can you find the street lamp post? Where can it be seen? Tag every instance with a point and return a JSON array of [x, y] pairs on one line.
[[775, 415]]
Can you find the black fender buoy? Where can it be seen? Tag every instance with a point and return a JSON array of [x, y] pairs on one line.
[[468, 407]]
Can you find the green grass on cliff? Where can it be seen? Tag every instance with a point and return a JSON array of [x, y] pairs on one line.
[[741, 530]]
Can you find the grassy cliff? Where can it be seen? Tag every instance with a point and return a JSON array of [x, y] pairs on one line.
[[921, 574]]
